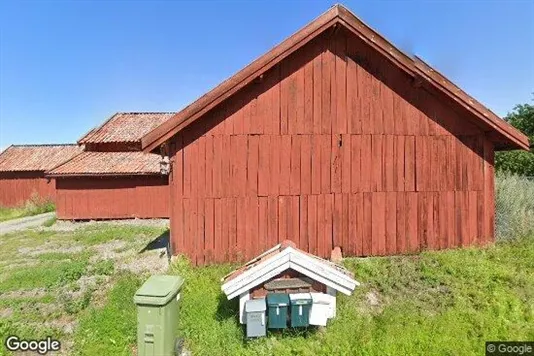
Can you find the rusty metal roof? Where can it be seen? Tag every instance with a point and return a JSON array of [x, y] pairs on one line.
[[109, 163], [126, 127], [36, 157]]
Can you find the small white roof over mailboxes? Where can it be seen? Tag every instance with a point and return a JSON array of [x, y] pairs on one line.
[[283, 257]]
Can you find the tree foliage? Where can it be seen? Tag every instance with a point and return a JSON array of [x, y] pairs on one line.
[[519, 162]]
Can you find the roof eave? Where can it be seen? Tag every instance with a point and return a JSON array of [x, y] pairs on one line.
[[120, 174]]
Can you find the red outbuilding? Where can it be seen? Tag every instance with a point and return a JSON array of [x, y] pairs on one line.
[[112, 178], [22, 171], [332, 138]]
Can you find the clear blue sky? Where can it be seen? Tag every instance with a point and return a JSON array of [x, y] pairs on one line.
[[66, 66]]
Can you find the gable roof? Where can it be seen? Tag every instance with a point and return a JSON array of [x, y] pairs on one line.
[[336, 15], [283, 257], [126, 127], [18, 158], [109, 163]]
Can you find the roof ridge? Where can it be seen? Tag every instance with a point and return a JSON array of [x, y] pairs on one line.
[[42, 145], [335, 16], [145, 112]]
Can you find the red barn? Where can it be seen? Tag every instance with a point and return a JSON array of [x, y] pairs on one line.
[[22, 171], [333, 138], [112, 179]]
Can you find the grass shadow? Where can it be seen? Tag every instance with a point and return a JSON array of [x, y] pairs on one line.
[[227, 309], [160, 242]]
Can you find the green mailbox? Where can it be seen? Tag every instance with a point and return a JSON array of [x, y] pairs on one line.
[[300, 309], [277, 304], [157, 315]]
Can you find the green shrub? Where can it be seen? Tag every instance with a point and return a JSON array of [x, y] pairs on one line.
[[514, 210]]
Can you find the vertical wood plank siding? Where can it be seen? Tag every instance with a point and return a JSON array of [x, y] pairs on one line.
[[17, 187], [333, 147], [114, 198]]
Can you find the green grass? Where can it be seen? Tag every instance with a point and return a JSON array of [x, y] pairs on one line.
[[436, 303], [50, 222], [42, 293], [34, 206], [44, 275], [103, 233], [110, 330]]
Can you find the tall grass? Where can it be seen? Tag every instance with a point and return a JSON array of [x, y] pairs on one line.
[[514, 199], [33, 206]]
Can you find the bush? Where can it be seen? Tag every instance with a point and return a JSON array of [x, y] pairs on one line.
[[514, 199]]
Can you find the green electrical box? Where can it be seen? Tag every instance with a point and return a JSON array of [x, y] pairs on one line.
[[277, 305], [300, 309], [157, 315]]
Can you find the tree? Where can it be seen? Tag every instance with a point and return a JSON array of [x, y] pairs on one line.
[[519, 162]]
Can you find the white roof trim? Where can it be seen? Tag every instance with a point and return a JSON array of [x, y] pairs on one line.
[[290, 258]]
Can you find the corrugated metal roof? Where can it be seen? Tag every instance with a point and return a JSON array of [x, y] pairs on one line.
[[109, 163], [126, 127], [36, 157]]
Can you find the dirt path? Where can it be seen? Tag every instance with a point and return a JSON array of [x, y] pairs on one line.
[[24, 223]]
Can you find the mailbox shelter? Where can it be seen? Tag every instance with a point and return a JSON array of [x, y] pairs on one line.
[[290, 280]]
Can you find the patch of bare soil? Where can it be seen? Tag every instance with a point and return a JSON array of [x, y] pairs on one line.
[[66, 225], [153, 262], [372, 304], [113, 250], [48, 248], [30, 293], [19, 263], [5, 313]]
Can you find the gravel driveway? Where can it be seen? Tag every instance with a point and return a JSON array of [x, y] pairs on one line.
[[23, 223]]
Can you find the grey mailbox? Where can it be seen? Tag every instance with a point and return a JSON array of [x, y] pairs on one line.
[[255, 312]]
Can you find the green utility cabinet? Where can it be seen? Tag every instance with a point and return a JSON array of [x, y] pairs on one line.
[[300, 309], [157, 315], [277, 305]]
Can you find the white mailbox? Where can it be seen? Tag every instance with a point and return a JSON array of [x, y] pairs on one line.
[[321, 309]]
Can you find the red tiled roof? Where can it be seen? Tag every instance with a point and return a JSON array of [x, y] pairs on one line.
[[126, 127], [109, 163], [36, 157]]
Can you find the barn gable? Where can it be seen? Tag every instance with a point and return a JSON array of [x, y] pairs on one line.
[[331, 139], [329, 25]]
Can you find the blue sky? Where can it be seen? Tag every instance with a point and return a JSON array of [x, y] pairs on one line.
[[66, 66]]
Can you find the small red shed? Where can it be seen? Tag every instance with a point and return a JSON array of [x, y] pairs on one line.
[[332, 138], [112, 178], [22, 171]]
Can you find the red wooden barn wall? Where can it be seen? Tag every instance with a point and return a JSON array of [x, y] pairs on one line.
[[18, 187], [112, 197], [333, 147]]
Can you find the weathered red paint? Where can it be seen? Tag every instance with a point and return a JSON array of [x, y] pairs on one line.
[[82, 198], [18, 187], [334, 146]]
